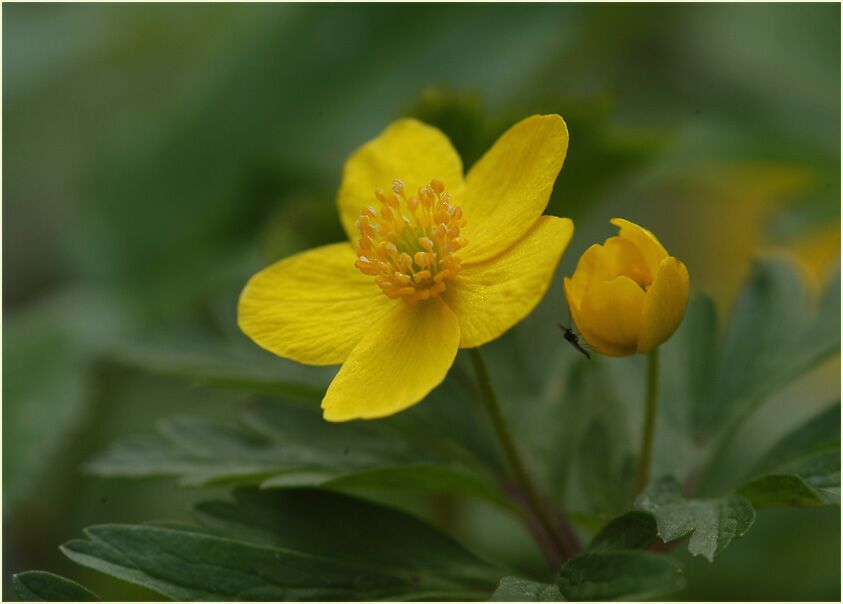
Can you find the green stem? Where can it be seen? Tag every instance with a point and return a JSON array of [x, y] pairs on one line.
[[559, 532], [643, 476]]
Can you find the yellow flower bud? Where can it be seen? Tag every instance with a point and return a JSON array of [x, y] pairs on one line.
[[627, 295]]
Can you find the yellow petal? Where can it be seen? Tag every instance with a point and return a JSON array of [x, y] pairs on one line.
[[588, 267], [508, 188], [397, 363], [664, 304], [617, 256], [611, 310], [652, 250], [408, 150], [490, 297], [623, 257], [594, 341], [312, 307]]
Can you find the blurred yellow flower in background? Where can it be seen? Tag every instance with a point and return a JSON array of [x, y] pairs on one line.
[[627, 295], [444, 262]]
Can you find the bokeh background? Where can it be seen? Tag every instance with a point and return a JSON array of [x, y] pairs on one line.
[[155, 156]]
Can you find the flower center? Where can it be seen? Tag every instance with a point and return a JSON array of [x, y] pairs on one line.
[[409, 246]]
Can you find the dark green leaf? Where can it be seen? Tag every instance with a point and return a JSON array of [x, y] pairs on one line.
[[803, 469], [335, 525], [410, 477], [285, 545], [41, 586], [189, 566], [634, 530], [515, 589], [619, 575], [711, 523]]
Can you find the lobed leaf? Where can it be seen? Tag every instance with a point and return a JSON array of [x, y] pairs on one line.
[[516, 589], [633, 530], [286, 445], [711, 523], [619, 575]]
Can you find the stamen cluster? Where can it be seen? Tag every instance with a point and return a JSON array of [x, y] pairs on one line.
[[409, 246]]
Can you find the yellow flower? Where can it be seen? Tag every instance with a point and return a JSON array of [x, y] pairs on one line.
[[435, 262], [627, 295]]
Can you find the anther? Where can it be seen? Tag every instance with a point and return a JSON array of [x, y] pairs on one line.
[[409, 245]]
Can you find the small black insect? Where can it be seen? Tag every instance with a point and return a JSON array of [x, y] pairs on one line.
[[574, 339]]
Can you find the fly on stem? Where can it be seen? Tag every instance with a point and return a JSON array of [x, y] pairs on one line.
[[572, 337]]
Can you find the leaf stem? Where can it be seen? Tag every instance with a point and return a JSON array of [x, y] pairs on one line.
[[642, 477], [556, 537]]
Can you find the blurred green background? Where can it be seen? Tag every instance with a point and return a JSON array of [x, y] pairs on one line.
[[155, 156]]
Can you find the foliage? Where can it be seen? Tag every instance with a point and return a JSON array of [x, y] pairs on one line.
[[279, 540], [711, 523], [163, 154], [40, 586]]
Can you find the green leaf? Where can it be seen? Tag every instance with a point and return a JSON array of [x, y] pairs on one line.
[[619, 575], [48, 349], [287, 445], [212, 363], [803, 469], [818, 434], [41, 586], [778, 490], [189, 566], [689, 362], [711, 523], [775, 334], [289, 545], [633, 530], [515, 589], [417, 478], [596, 456], [200, 452], [336, 525]]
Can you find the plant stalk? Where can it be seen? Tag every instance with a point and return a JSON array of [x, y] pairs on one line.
[[558, 539], [642, 477]]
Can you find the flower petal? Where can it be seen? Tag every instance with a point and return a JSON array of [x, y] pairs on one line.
[[408, 150], [650, 247], [617, 256], [664, 304], [611, 310], [490, 297], [396, 364], [508, 188], [591, 338], [312, 307]]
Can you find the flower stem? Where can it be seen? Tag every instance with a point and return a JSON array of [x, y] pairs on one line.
[[554, 533], [643, 476]]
